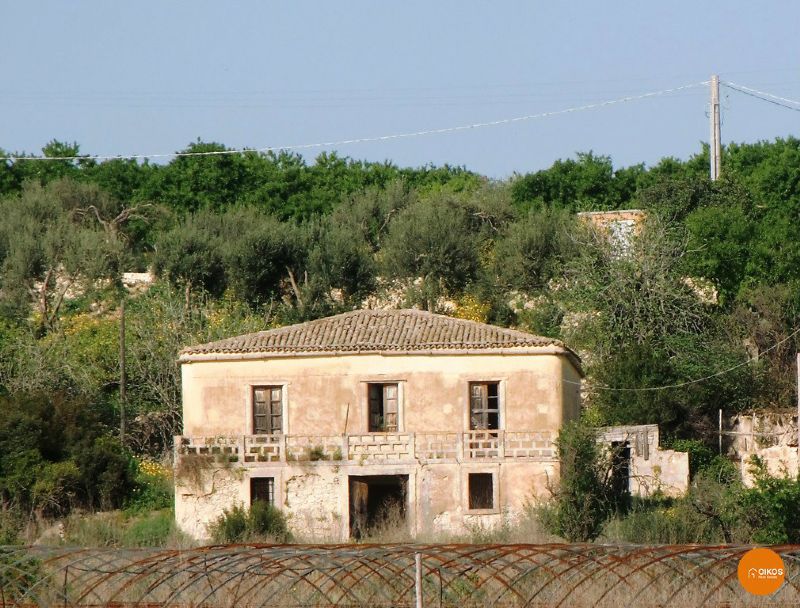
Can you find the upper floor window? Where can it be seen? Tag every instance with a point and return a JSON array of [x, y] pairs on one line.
[[484, 406], [267, 410], [383, 408]]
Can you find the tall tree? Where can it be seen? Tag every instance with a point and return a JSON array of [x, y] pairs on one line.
[[433, 241]]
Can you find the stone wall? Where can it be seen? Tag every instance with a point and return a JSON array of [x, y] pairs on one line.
[[771, 436], [652, 469]]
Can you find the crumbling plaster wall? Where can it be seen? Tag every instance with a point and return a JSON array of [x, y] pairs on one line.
[[315, 496], [203, 493], [665, 471]]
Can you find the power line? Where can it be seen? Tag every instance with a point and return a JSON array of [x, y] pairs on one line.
[[342, 142], [688, 382], [763, 96]]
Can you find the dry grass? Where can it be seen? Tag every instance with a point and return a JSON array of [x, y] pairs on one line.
[[113, 529], [392, 527]]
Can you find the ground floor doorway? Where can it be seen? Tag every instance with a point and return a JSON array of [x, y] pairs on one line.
[[621, 472], [376, 502]]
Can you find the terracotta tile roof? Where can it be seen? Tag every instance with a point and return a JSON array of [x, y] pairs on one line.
[[377, 331]]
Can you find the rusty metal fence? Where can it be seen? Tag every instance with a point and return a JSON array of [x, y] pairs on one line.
[[462, 576]]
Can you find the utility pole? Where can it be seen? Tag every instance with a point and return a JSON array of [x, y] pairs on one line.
[[715, 148], [123, 397]]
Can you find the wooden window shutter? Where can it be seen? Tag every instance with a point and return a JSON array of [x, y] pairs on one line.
[[267, 410]]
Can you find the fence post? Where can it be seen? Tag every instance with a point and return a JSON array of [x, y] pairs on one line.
[[418, 579]]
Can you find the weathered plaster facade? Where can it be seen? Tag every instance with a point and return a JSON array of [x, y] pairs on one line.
[[325, 443]]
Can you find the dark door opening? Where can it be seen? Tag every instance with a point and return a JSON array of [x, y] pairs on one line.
[[377, 501], [620, 472]]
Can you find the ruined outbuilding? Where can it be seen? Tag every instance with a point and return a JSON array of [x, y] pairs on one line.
[[619, 226], [641, 465], [435, 423]]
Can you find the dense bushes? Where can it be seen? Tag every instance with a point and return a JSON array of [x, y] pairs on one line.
[[57, 455], [770, 507], [261, 523], [583, 498], [717, 509]]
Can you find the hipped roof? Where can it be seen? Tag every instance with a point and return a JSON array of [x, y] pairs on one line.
[[380, 332]]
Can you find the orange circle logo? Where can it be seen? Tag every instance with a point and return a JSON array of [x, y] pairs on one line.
[[761, 571]]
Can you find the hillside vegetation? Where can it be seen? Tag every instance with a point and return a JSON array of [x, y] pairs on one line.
[[244, 242]]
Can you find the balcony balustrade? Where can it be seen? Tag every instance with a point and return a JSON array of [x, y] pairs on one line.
[[372, 448]]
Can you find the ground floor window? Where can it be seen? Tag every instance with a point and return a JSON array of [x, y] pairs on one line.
[[481, 491], [263, 489]]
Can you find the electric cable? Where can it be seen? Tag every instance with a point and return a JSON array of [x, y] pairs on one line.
[[359, 140], [688, 382]]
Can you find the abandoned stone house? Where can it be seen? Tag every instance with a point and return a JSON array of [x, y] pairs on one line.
[[444, 422]]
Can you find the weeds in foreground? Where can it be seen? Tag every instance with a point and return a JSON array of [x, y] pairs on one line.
[[117, 529]]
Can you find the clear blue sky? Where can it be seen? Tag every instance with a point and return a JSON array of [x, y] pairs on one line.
[[153, 75]]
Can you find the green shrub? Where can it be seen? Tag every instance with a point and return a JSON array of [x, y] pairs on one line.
[[266, 521], [107, 473], [770, 508], [118, 529], [231, 526], [661, 521], [263, 522], [584, 498], [18, 574], [54, 491], [317, 453], [721, 470], [718, 508], [96, 530], [152, 488], [10, 526]]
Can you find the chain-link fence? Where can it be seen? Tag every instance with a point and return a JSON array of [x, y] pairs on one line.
[[462, 576]]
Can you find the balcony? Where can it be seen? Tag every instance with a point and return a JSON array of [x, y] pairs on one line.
[[373, 448]]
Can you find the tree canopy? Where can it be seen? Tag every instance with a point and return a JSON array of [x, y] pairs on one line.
[[242, 242]]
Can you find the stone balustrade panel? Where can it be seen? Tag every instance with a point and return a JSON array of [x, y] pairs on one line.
[[373, 447]]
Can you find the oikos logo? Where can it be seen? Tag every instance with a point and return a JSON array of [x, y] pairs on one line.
[[761, 571]]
